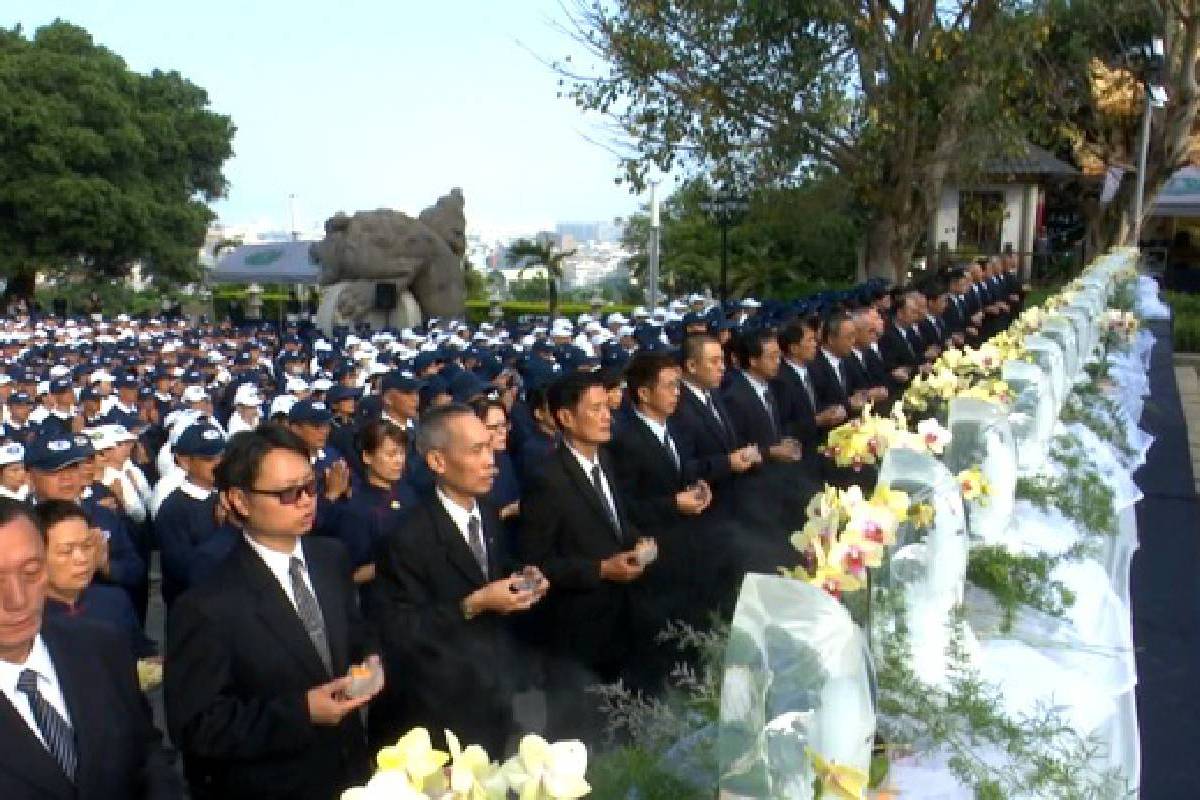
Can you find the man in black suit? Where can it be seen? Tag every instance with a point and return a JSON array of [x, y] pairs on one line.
[[873, 373], [648, 464], [258, 652], [442, 593], [834, 382], [897, 345], [804, 417], [955, 318], [931, 327], [74, 724], [575, 528], [780, 489]]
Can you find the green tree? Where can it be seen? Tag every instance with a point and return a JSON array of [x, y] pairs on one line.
[[102, 167], [791, 240], [896, 96], [529, 254]]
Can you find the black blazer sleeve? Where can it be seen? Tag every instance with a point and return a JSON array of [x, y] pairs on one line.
[[206, 716], [544, 515]]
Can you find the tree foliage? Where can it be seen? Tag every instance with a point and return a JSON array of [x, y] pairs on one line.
[[100, 166], [895, 95], [791, 240], [531, 254]]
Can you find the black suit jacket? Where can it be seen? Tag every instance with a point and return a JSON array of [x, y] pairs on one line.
[[646, 476], [897, 350], [706, 443], [828, 388], [119, 752], [239, 665], [751, 421], [566, 532], [932, 334], [456, 673], [796, 408]]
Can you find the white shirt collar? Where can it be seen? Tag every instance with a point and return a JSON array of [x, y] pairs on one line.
[[584, 462], [40, 662], [834, 361], [797, 367], [461, 517], [659, 429], [760, 386], [193, 491], [279, 563], [701, 394]]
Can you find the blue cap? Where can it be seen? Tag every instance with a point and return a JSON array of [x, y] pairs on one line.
[[200, 439], [338, 393], [313, 412], [20, 397], [128, 381], [52, 453], [60, 385], [400, 381], [426, 358]]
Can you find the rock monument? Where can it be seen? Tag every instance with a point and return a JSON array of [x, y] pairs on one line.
[[421, 258]]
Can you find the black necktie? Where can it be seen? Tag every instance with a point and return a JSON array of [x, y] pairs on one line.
[[598, 482], [772, 411], [841, 373], [712, 409], [671, 451], [475, 537], [57, 734], [310, 612], [808, 390]]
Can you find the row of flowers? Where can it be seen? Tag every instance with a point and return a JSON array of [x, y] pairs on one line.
[[412, 769]]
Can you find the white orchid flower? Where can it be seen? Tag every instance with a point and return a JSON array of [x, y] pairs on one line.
[[933, 435], [543, 771]]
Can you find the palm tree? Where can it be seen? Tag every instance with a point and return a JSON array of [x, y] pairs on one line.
[[531, 254]]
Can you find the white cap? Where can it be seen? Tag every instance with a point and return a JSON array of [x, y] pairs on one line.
[[101, 376], [750, 302], [247, 395], [322, 385], [295, 384], [282, 404], [617, 319], [11, 453], [194, 394], [59, 370]]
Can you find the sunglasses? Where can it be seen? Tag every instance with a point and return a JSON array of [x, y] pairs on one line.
[[292, 494]]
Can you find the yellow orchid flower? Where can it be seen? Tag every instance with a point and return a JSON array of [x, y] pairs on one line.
[[473, 776], [544, 771], [838, 780], [830, 573], [894, 500], [921, 515], [387, 785], [972, 484], [414, 756]]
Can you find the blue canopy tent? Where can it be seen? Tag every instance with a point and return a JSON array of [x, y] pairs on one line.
[[270, 262]]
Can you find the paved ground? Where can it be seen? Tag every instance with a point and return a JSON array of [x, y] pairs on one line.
[[1187, 374]]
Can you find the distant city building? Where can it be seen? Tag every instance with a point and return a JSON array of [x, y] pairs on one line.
[[599, 232]]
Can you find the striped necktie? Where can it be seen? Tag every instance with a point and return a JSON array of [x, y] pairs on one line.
[[310, 612], [56, 733]]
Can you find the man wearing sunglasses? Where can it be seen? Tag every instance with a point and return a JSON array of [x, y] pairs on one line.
[[257, 653]]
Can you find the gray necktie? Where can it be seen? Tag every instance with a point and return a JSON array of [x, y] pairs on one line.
[[670, 445], [475, 540], [59, 738], [310, 612]]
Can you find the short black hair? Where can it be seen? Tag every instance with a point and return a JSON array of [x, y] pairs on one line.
[[693, 344], [794, 331], [12, 510], [373, 434], [240, 465], [49, 513], [567, 391], [748, 345], [645, 367]]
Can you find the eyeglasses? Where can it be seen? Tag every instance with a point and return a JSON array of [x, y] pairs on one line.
[[291, 495]]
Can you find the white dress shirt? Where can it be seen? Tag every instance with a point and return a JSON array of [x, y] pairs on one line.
[[760, 388], [461, 517], [39, 661], [659, 429], [586, 465], [280, 565]]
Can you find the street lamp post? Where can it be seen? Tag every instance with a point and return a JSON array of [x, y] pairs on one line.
[[652, 269], [725, 208], [1156, 97]]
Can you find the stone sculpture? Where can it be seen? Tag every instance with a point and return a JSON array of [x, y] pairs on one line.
[[422, 258]]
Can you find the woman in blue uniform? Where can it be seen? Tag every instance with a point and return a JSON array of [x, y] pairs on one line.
[[378, 499]]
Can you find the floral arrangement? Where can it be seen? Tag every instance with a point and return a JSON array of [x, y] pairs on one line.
[[412, 769], [864, 440], [845, 534], [1120, 325], [973, 485]]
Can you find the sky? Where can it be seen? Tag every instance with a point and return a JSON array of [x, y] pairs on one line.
[[364, 104]]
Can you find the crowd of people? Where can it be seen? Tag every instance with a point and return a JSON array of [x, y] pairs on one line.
[[364, 532]]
